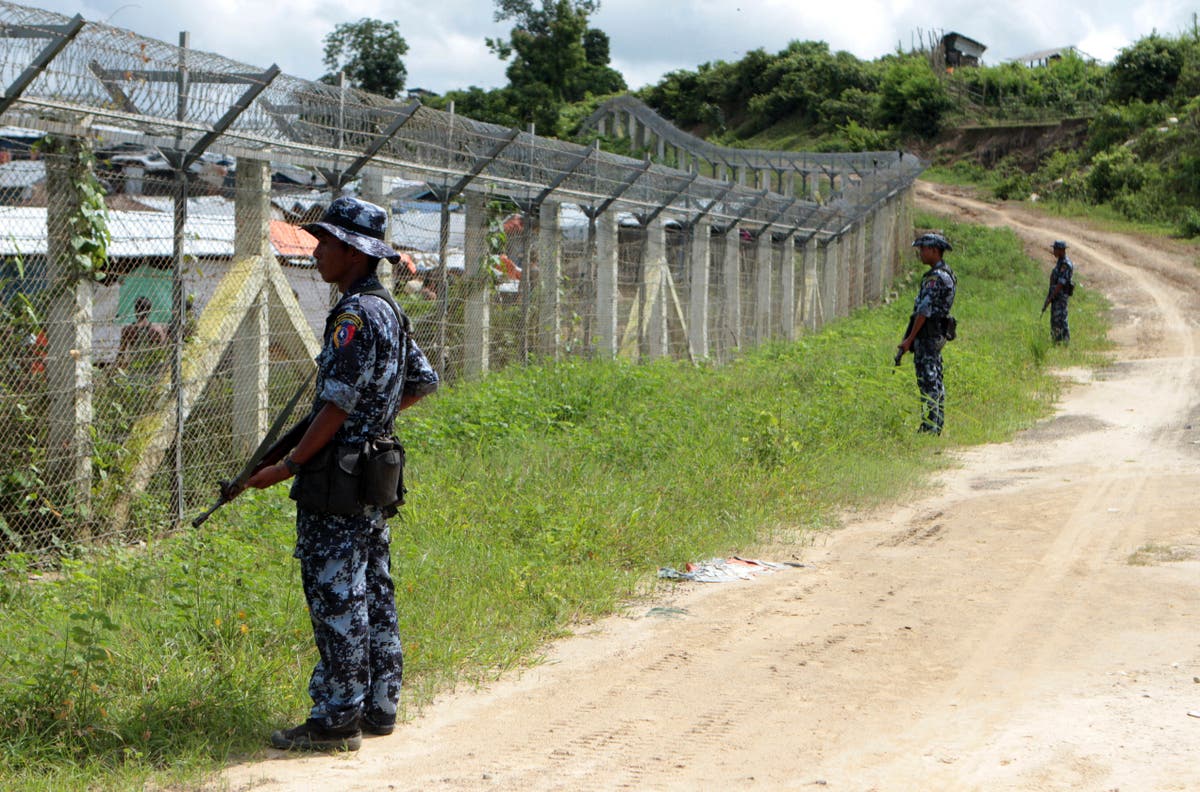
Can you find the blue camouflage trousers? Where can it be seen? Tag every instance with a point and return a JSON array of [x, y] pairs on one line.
[[1060, 332], [345, 569], [927, 359]]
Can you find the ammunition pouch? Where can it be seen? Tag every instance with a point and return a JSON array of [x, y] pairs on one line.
[[944, 327], [382, 481], [347, 479]]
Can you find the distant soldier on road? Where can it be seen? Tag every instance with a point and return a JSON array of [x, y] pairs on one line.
[[930, 327], [1062, 286]]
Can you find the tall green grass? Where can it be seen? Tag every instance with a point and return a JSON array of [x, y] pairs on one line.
[[540, 497], [992, 182]]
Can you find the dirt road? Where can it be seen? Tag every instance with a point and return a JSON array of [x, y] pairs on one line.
[[1032, 624]]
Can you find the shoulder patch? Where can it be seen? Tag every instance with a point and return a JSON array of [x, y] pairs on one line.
[[344, 329]]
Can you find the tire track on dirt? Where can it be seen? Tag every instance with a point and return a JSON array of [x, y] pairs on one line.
[[992, 635], [1028, 631]]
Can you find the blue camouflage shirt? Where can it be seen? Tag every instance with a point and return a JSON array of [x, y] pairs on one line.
[[936, 297], [367, 364], [1062, 273]]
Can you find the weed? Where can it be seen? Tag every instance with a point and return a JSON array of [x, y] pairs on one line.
[[539, 497]]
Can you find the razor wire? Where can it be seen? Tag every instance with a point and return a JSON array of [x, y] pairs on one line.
[[125, 398], [185, 101]]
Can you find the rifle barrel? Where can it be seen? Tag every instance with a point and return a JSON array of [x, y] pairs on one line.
[[221, 501]]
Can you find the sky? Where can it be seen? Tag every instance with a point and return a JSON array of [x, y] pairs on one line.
[[649, 38]]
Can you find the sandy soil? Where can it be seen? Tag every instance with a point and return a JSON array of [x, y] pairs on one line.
[[1030, 624]]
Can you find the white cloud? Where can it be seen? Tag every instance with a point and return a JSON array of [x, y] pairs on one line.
[[447, 50]]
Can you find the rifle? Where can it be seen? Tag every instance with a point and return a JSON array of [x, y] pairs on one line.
[[272, 449], [1051, 293], [900, 350]]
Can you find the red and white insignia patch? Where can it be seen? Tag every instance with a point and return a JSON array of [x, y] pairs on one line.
[[344, 328]]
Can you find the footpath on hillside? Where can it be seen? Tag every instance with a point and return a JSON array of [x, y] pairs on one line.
[[1030, 624]]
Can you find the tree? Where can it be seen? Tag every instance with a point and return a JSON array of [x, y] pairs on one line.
[[599, 78], [494, 106], [1148, 70], [556, 57], [368, 52], [911, 97]]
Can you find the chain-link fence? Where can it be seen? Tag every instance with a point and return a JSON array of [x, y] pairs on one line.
[[160, 303]]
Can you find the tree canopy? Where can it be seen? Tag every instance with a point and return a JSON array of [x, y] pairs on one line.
[[556, 58], [1148, 70], [369, 52]]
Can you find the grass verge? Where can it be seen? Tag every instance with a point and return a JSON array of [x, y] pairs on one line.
[[541, 496]]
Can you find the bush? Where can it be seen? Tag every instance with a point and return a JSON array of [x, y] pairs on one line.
[[1113, 172], [1013, 185], [1115, 125], [1189, 225], [860, 138]]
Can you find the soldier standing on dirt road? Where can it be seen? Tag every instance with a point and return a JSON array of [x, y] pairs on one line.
[[1062, 286], [368, 370]]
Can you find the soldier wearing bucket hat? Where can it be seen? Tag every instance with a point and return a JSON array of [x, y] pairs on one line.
[[369, 369], [358, 223], [1062, 286], [929, 328]]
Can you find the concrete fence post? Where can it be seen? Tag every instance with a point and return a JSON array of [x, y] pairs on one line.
[[763, 270], [787, 288], [655, 289], [811, 302], [68, 329], [862, 266], [477, 309], [249, 350], [607, 252], [700, 265], [875, 248], [731, 290], [549, 279], [371, 187], [842, 250]]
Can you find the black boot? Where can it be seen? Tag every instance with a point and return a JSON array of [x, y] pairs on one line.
[[312, 735]]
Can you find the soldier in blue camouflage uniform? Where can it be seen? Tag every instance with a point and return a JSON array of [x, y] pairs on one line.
[[369, 369], [928, 331], [1061, 288]]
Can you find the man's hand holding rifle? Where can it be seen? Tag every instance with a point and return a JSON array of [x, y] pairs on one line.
[[269, 453]]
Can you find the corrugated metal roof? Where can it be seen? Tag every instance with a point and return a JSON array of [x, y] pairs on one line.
[[290, 240], [22, 173], [134, 234], [1043, 54], [210, 229]]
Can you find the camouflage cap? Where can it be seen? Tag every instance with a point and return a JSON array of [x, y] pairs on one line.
[[358, 223], [1058, 243], [932, 240]]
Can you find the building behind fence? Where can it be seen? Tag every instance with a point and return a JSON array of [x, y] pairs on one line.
[[160, 304]]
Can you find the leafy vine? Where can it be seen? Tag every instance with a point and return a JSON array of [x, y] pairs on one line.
[[90, 234]]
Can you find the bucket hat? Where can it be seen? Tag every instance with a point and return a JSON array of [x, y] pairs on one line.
[[358, 223], [932, 240]]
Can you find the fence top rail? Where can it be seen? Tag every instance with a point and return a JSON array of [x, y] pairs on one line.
[[114, 86], [761, 159]]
